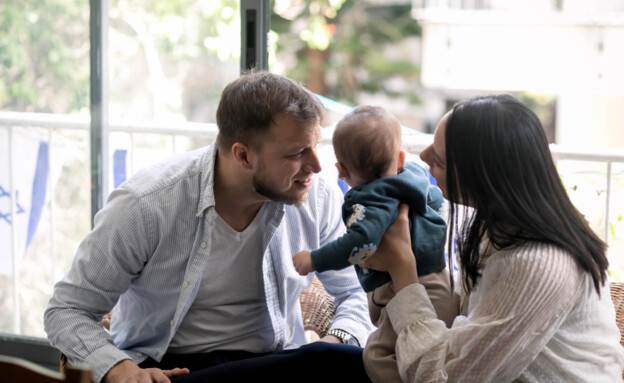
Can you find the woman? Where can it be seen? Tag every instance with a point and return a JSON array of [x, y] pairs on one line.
[[539, 307]]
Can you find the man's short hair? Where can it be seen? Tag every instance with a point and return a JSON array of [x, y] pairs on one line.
[[249, 104]]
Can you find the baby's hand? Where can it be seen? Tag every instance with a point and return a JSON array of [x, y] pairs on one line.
[[303, 262]]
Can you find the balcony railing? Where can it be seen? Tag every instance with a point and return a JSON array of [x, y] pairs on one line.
[[49, 124], [413, 143]]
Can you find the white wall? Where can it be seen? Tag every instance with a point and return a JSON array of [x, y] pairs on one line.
[[578, 56], [590, 120]]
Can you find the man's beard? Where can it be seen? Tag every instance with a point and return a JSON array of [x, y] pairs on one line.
[[263, 188]]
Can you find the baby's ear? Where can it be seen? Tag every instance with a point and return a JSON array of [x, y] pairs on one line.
[[343, 172], [401, 161]]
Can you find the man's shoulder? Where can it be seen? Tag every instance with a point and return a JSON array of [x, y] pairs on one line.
[[323, 188], [167, 173]]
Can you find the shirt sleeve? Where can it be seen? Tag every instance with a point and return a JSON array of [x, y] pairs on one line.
[[526, 295], [105, 263], [352, 306]]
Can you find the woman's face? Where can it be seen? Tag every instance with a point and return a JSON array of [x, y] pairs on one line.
[[435, 155]]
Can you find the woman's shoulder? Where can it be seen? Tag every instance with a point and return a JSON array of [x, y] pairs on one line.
[[538, 259], [532, 250]]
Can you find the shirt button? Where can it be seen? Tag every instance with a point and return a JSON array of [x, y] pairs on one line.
[[171, 323], [185, 284], [155, 352], [139, 354], [203, 245], [211, 212]]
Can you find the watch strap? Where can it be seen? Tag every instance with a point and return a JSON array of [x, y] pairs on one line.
[[343, 335]]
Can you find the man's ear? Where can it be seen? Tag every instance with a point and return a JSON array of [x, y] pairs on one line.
[[242, 154], [401, 161]]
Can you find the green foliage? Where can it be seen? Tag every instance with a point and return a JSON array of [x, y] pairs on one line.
[[355, 39], [44, 44], [44, 55]]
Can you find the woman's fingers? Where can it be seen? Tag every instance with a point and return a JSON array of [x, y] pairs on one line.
[[395, 244]]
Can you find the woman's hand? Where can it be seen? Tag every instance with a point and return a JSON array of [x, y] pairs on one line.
[[394, 254]]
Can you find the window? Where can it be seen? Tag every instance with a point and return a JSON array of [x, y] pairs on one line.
[[167, 64]]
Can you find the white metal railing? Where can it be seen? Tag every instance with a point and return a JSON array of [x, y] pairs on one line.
[[51, 123], [413, 143], [416, 143]]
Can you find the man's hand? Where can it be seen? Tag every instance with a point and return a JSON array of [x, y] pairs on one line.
[[127, 371], [303, 262]]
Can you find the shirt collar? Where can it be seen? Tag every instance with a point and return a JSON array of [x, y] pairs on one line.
[[207, 163]]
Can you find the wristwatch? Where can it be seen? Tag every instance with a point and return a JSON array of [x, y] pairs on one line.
[[344, 336]]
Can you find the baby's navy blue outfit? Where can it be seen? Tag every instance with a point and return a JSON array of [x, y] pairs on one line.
[[369, 210]]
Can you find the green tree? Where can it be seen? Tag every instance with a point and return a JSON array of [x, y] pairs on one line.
[[44, 45], [44, 52], [340, 46]]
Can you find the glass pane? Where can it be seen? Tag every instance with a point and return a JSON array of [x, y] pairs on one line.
[[169, 62], [44, 154], [418, 58], [586, 184], [616, 224]]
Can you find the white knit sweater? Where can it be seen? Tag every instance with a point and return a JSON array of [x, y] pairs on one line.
[[534, 316]]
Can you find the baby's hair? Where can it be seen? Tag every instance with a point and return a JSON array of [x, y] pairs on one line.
[[367, 140]]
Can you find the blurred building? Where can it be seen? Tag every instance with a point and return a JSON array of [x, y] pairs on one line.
[[573, 49]]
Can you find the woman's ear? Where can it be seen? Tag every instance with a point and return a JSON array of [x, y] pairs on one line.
[[242, 154], [401, 161]]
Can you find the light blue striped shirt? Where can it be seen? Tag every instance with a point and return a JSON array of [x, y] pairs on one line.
[[146, 254]]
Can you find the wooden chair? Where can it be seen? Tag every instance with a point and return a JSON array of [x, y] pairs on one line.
[[617, 295], [317, 311], [17, 370]]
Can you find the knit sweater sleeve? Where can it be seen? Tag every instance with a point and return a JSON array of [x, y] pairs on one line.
[[520, 302], [365, 228]]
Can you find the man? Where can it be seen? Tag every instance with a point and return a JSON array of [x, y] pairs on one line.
[[195, 253]]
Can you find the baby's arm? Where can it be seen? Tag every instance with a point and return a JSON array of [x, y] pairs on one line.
[[365, 228], [303, 262]]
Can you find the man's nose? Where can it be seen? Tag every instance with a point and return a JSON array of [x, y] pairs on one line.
[[313, 164]]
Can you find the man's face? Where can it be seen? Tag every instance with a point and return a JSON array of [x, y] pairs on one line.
[[286, 160]]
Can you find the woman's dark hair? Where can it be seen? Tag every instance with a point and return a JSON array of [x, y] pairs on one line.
[[249, 104], [499, 163]]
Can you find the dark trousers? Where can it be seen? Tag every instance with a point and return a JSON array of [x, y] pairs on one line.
[[317, 362]]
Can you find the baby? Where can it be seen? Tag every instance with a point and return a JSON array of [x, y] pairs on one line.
[[367, 144]]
